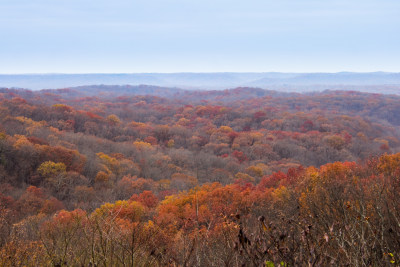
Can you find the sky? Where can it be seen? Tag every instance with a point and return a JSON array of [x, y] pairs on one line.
[[139, 36]]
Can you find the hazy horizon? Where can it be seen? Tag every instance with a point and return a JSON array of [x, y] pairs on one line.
[[383, 82]]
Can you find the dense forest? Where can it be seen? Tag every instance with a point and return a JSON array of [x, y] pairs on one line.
[[153, 176]]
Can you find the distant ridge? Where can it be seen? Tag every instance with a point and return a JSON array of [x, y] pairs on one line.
[[270, 80]]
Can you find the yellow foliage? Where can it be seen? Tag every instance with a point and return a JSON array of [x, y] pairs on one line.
[[183, 121], [281, 193], [62, 108], [102, 177], [138, 124], [54, 130], [58, 106], [312, 172], [51, 169], [381, 141], [244, 177], [113, 119], [140, 145], [225, 129], [256, 135], [24, 120], [171, 143], [149, 226], [31, 125], [106, 158], [164, 184], [255, 171], [111, 163], [21, 141], [125, 209], [389, 164]]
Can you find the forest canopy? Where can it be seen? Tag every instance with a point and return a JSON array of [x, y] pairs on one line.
[[170, 177]]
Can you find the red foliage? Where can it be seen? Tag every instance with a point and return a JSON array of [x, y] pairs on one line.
[[240, 156], [147, 198]]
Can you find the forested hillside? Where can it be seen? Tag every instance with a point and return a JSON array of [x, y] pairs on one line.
[[152, 176]]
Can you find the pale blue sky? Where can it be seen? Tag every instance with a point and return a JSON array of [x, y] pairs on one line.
[[98, 36]]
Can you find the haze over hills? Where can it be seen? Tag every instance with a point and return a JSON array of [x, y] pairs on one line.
[[366, 82]]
